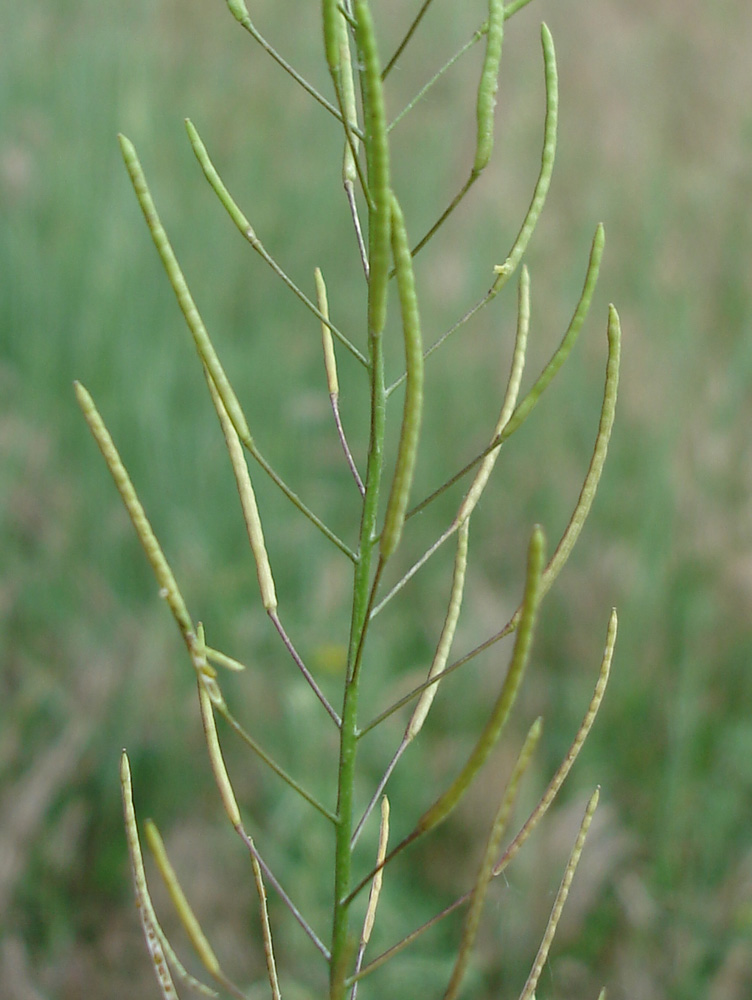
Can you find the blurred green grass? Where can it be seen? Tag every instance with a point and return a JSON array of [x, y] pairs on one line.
[[655, 139]]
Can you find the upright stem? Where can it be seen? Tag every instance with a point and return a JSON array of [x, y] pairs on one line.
[[379, 225], [349, 728]]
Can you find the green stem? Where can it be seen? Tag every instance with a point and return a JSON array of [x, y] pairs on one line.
[[379, 225]]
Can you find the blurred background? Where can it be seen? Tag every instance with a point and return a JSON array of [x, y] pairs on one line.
[[655, 141]]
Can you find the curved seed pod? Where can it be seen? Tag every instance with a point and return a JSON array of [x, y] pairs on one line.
[[394, 518], [373, 896], [167, 584], [489, 84], [447, 636], [168, 588], [566, 765], [520, 656], [182, 906], [216, 759], [592, 478], [377, 155], [330, 16], [192, 316], [505, 270], [349, 102]]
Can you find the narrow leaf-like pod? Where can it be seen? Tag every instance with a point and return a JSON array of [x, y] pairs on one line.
[[504, 271], [377, 155], [168, 588], [192, 316], [330, 17], [216, 759], [143, 900], [247, 501], [330, 364], [394, 518], [182, 906], [330, 361], [349, 102], [520, 656], [593, 476], [528, 992], [373, 897], [485, 873], [447, 635], [167, 584], [488, 86], [223, 660], [571, 756]]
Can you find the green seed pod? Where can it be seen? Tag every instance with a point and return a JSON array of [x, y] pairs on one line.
[[490, 735], [330, 15], [239, 11], [488, 86], [377, 155], [394, 518]]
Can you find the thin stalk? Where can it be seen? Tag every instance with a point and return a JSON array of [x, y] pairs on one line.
[[408, 35], [271, 763], [437, 76], [302, 667], [274, 882], [379, 790], [514, 6], [436, 670], [248, 232], [297, 502], [240, 12]]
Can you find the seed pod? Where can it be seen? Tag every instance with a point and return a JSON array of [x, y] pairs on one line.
[[488, 86], [377, 155], [394, 518]]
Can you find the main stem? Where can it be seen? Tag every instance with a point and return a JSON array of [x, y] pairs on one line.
[[349, 730], [376, 144]]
